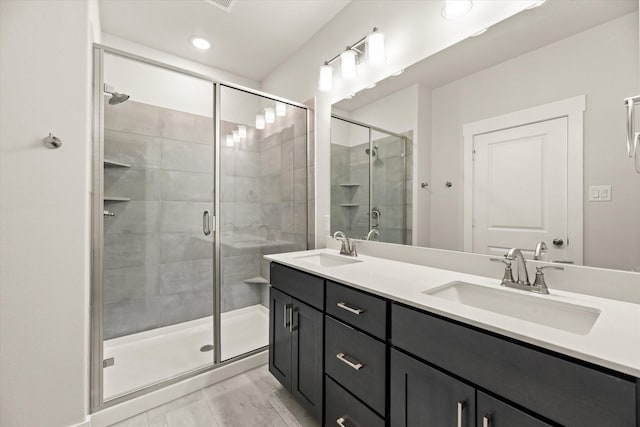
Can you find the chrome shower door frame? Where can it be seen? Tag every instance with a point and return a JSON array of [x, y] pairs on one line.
[[96, 396]]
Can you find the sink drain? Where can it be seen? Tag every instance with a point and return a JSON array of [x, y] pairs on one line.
[[207, 347]]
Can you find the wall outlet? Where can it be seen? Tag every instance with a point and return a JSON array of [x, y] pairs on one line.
[[600, 193]]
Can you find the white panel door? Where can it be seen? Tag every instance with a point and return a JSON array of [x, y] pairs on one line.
[[520, 189]]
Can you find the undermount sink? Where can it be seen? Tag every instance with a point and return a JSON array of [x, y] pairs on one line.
[[568, 317], [327, 260]]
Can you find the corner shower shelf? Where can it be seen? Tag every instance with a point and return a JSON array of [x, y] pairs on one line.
[[349, 185], [114, 164], [349, 205], [116, 199]]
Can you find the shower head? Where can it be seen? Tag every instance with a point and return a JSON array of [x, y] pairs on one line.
[[373, 152], [118, 98]]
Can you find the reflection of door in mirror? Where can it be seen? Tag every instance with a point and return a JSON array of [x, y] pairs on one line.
[[520, 188]]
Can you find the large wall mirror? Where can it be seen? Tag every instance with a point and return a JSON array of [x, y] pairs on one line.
[[508, 138]]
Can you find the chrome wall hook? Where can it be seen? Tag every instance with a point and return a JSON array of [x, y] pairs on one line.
[[52, 141]]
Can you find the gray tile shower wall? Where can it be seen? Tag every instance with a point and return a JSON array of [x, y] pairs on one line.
[[158, 265]]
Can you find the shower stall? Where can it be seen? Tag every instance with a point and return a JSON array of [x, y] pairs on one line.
[[371, 177], [194, 181]]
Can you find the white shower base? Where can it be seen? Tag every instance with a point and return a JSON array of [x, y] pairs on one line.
[[148, 357]]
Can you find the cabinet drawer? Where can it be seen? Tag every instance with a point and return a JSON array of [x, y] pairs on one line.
[[357, 308], [495, 413], [340, 406], [566, 392], [356, 361], [303, 286]]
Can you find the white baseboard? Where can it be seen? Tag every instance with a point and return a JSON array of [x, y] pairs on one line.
[[143, 403]]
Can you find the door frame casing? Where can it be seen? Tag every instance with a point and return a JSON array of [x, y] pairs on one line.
[[571, 108]]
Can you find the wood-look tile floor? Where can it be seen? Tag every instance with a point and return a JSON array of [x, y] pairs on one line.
[[251, 399]]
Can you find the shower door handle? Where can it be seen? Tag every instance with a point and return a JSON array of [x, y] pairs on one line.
[[206, 222]]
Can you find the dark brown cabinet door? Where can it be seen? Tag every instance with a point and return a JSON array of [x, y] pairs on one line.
[[495, 413], [280, 334], [306, 360], [423, 396]]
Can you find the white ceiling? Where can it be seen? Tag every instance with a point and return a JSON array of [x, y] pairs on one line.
[[522, 33], [250, 40]]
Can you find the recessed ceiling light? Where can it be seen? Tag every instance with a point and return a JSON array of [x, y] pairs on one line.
[[454, 9], [538, 3], [200, 43]]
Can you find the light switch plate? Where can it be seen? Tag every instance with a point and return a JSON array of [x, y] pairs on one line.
[[599, 193]]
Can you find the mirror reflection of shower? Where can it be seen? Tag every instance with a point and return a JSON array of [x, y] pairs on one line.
[[372, 151], [116, 98]]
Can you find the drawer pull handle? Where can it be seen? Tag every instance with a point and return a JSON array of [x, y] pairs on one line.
[[486, 421], [344, 306], [341, 422], [460, 409], [288, 317], [342, 357]]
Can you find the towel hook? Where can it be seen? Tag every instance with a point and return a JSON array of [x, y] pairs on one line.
[[52, 141]]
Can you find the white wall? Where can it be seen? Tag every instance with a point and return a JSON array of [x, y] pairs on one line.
[[601, 63], [45, 71]]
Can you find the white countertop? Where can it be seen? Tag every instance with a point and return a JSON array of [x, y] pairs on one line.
[[613, 341]]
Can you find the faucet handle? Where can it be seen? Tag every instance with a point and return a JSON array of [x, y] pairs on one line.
[[508, 273], [539, 268]]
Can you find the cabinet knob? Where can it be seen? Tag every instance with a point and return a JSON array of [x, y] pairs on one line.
[[460, 409], [486, 420]]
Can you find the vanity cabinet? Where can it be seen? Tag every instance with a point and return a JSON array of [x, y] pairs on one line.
[[357, 359], [554, 387], [422, 395], [296, 335]]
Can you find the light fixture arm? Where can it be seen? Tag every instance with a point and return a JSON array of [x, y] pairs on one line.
[[356, 47]]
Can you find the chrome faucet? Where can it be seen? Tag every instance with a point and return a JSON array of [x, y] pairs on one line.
[[347, 248], [541, 248], [522, 276], [372, 235]]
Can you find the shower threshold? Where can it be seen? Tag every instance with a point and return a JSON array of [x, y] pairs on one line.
[[148, 357]]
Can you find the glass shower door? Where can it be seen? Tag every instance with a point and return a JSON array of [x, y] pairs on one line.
[[158, 258], [263, 208]]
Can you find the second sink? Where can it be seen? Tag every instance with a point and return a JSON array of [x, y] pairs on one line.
[[568, 317]]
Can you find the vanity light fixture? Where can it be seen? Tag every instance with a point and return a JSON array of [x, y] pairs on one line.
[[229, 140], [348, 59], [281, 109], [236, 136], [242, 131], [260, 121], [200, 43], [269, 115], [455, 9], [371, 46]]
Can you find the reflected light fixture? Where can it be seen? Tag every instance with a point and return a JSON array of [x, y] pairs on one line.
[[200, 43], [260, 121], [454, 9], [242, 131], [269, 115], [236, 137], [375, 47], [281, 109], [373, 43], [229, 140]]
